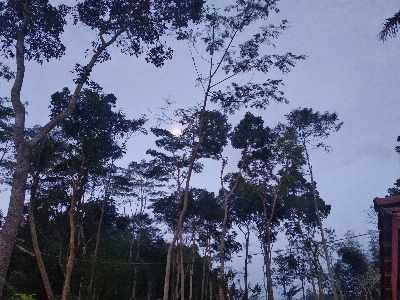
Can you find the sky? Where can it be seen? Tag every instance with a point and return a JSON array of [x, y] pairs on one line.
[[347, 70]]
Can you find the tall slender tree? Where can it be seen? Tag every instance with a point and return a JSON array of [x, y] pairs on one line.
[[230, 52], [301, 224], [248, 135], [311, 128], [245, 208]]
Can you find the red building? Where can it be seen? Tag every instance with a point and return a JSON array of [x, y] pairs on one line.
[[388, 209]]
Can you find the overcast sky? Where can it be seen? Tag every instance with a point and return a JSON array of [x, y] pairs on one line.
[[347, 71]]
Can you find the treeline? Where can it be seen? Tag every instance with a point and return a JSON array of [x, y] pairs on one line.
[[101, 229], [66, 236]]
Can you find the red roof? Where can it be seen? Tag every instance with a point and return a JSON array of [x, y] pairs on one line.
[[387, 202]]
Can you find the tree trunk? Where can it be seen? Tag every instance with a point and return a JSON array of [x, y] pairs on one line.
[[210, 280], [320, 288], [192, 266], [136, 268], [268, 271], [222, 283], [9, 231], [260, 229], [321, 229], [96, 250], [309, 258], [246, 287], [182, 293], [178, 274], [186, 194], [35, 242], [245, 277], [71, 248], [203, 280], [149, 291], [267, 252]]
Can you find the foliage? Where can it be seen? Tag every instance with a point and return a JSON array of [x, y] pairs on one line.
[[95, 128], [312, 127], [7, 152], [43, 29], [390, 27], [393, 191], [20, 296], [5, 72], [356, 272]]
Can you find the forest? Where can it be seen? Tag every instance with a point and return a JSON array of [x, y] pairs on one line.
[[80, 225]]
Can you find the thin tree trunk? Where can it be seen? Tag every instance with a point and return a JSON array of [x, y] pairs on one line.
[[268, 255], [204, 283], [268, 270], [245, 277], [36, 249], [96, 250], [71, 248], [192, 266], [203, 279], [149, 290], [309, 258], [178, 274], [222, 283], [136, 268], [182, 294], [321, 229], [135, 273], [246, 288], [263, 247], [320, 289], [210, 280], [186, 194]]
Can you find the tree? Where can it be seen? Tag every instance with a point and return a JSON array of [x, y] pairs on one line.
[[135, 185], [245, 207], [300, 225], [271, 162], [31, 30], [396, 189], [246, 136], [351, 265], [98, 136], [310, 128], [182, 161], [203, 210], [220, 37], [287, 266], [80, 153], [390, 27], [45, 157]]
